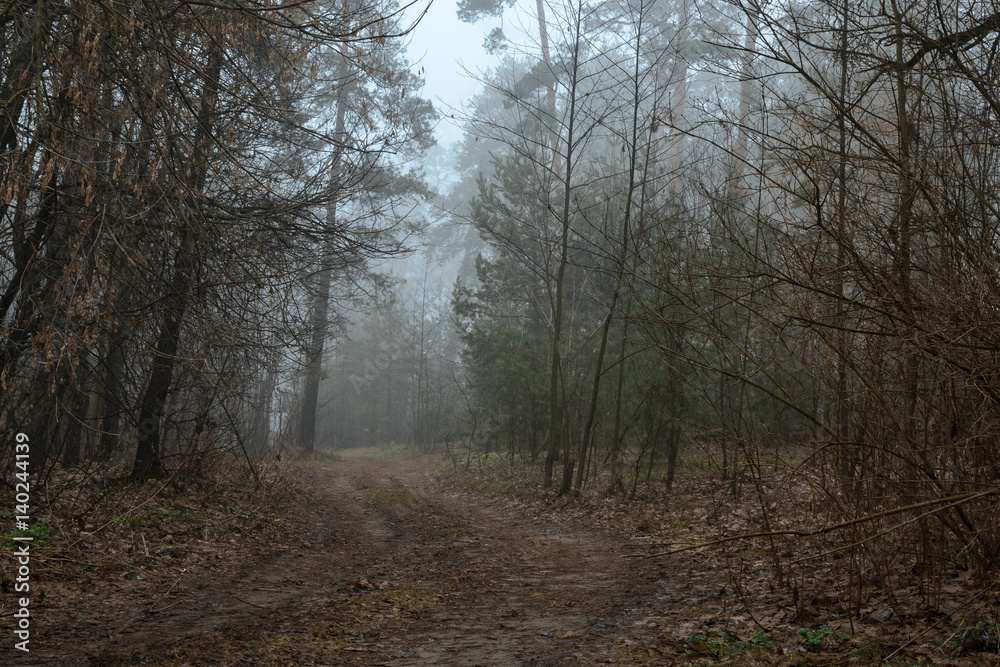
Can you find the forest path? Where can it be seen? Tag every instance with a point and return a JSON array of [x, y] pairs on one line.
[[383, 564]]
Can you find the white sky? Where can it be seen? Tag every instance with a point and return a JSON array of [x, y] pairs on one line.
[[440, 42]]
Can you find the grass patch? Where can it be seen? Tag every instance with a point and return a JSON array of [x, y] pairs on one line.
[[393, 500], [412, 599], [382, 452], [495, 476], [368, 478], [41, 534], [360, 620]]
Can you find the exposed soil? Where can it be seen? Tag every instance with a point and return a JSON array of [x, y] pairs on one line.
[[377, 562]]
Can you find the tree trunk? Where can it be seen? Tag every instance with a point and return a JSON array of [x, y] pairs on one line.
[[314, 360], [112, 398], [556, 410], [622, 255], [260, 430], [550, 87], [321, 302], [17, 86], [847, 471], [908, 191], [147, 455], [679, 103], [747, 103], [616, 442]]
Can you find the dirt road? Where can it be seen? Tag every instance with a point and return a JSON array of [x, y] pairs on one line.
[[381, 563]]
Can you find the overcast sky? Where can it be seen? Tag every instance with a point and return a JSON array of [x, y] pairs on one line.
[[440, 43]]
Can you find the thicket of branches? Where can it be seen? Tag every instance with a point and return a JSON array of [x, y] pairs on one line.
[[767, 231], [173, 178]]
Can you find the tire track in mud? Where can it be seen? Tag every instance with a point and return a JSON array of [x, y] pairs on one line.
[[514, 589], [382, 566]]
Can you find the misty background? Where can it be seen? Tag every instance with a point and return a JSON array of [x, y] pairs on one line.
[[616, 242]]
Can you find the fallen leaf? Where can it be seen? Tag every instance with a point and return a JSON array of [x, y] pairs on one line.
[[700, 647]]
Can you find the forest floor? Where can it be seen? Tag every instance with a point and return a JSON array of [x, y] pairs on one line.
[[394, 561]]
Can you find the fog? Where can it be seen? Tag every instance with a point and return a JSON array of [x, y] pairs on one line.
[[450, 53], [617, 243]]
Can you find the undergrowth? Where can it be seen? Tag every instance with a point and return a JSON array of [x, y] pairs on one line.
[[753, 591]]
